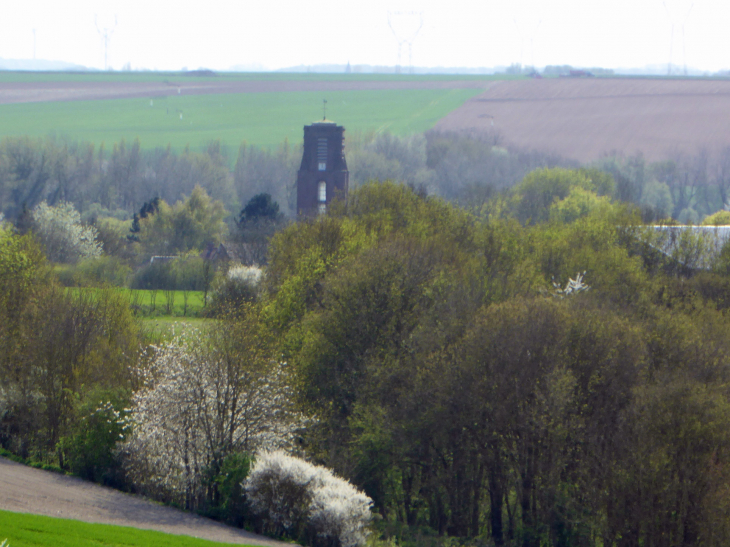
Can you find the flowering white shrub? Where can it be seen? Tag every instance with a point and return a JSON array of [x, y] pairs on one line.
[[197, 406], [573, 286], [289, 492], [60, 230], [339, 510], [240, 285], [278, 487], [250, 275]]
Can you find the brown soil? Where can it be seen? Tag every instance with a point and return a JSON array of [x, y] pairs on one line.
[[27, 490], [587, 118], [29, 92]]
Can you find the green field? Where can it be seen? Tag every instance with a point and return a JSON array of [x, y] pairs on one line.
[[23, 530], [263, 119], [160, 329], [158, 303], [25, 76], [165, 303]]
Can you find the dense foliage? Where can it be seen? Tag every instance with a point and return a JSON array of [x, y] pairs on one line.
[[59, 349], [538, 368], [202, 402], [468, 394]]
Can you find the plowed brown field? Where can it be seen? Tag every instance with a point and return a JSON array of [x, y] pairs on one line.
[[585, 119]]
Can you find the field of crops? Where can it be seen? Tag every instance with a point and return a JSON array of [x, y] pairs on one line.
[[23, 530], [264, 110], [263, 119], [584, 119]]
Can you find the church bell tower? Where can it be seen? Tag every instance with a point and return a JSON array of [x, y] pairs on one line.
[[323, 174]]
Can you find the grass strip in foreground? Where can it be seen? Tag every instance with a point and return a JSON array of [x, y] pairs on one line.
[[24, 530]]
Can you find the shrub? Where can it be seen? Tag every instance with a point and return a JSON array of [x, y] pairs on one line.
[[91, 272], [295, 497], [155, 276], [90, 450], [721, 218], [240, 285], [203, 400], [184, 273], [278, 489], [230, 503], [63, 235]]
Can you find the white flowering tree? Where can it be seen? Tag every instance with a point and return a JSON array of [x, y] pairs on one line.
[[60, 230], [297, 497], [201, 401], [249, 275], [241, 284]]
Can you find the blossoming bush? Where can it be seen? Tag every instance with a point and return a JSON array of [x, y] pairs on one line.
[[250, 275], [295, 497], [241, 284], [199, 404], [60, 230]]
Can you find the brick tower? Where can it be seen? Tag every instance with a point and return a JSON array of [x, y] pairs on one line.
[[323, 175]]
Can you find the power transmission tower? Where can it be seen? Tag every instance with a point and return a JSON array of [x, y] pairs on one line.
[[105, 32], [677, 17], [521, 31], [405, 26]]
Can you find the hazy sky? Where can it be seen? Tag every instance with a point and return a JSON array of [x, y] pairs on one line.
[[169, 35]]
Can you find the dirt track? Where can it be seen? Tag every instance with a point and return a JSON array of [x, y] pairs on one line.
[[27, 490], [29, 92], [584, 119]]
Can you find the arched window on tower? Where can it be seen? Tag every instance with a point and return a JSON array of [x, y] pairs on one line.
[[322, 196]]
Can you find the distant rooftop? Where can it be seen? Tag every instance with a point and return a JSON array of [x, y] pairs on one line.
[[699, 251]]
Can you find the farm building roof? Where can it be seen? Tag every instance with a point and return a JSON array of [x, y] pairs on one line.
[[696, 247]]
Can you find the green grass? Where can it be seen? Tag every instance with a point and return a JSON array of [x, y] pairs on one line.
[[159, 329], [155, 303], [23, 530], [263, 119]]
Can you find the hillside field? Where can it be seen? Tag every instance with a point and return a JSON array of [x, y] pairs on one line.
[[83, 513], [181, 111], [23, 530], [583, 119]]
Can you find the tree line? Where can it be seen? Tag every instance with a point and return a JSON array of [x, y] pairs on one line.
[[467, 169], [469, 393], [529, 371]]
